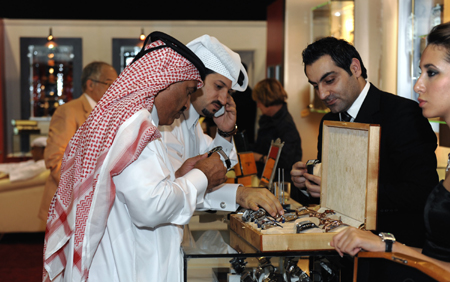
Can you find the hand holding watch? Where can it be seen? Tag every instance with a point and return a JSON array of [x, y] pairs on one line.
[[224, 156]]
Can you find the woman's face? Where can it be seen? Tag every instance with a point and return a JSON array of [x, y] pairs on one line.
[[433, 84]]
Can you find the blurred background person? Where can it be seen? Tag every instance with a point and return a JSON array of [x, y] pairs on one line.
[[96, 78], [275, 122]]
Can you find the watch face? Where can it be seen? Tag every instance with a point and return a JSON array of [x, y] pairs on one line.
[[387, 236]]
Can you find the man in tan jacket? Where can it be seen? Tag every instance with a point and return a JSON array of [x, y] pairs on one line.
[[96, 79]]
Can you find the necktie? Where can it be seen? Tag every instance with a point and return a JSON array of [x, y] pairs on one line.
[[345, 117]]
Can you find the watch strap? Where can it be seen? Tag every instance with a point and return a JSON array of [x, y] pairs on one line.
[[225, 157], [389, 244], [229, 133]]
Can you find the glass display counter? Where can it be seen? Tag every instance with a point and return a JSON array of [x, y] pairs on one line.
[[208, 256]]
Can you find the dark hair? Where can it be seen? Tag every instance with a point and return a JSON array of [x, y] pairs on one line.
[[440, 36], [269, 92], [209, 71], [91, 71], [340, 51]]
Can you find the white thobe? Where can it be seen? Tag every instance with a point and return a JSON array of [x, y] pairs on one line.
[[142, 240], [185, 139]]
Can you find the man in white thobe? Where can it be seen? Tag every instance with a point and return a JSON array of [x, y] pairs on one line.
[[185, 138]]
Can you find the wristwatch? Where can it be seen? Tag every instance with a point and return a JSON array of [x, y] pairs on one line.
[[388, 239], [229, 133], [219, 150]]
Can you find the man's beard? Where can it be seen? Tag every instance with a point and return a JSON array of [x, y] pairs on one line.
[[207, 113]]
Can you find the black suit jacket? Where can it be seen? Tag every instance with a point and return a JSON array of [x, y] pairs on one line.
[[407, 163]]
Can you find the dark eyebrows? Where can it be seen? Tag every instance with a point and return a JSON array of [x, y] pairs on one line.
[[323, 77], [223, 83], [429, 65]]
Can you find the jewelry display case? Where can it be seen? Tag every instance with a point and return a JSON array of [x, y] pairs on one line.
[[349, 189]]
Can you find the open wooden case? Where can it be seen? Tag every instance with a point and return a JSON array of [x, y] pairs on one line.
[[350, 157]]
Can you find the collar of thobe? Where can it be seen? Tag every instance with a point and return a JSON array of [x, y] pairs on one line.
[[354, 109], [91, 101], [155, 117], [191, 116]]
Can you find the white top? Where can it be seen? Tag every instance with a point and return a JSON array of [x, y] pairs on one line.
[[142, 240], [354, 108], [185, 139]]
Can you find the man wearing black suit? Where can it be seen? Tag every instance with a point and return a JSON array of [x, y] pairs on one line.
[[407, 160]]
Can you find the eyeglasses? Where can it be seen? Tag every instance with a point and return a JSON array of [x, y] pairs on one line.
[[102, 82]]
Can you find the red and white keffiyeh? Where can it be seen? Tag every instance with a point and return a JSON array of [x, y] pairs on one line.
[[74, 230]]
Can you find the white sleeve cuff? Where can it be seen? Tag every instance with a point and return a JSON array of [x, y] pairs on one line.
[[223, 199], [200, 182]]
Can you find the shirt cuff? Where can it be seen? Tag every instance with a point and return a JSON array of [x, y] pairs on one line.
[[200, 182], [223, 199]]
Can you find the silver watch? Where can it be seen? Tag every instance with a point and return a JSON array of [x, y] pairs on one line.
[[388, 239], [219, 150]]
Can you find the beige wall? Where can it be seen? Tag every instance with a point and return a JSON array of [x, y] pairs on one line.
[[97, 43], [375, 39]]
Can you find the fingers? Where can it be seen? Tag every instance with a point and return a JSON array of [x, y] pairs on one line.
[[352, 240], [272, 206], [230, 103], [298, 169], [269, 202], [299, 166], [312, 188], [202, 156], [298, 181], [313, 178], [253, 198], [339, 241]]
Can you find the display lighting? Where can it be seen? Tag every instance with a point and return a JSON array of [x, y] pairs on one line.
[[142, 36], [50, 43]]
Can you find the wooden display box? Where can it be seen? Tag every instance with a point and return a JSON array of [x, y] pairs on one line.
[[350, 156]]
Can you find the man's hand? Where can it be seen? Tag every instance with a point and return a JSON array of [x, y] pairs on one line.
[[253, 198], [297, 172], [312, 183], [214, 170], [189, 164], [227, 121], [302, 179]]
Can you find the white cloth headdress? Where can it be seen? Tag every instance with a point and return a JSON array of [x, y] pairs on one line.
[[220, 59]]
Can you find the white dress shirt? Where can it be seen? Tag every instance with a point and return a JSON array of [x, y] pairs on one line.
[[185, 139], [354, 108]]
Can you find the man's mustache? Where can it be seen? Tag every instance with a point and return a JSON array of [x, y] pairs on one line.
[[218, 103]]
